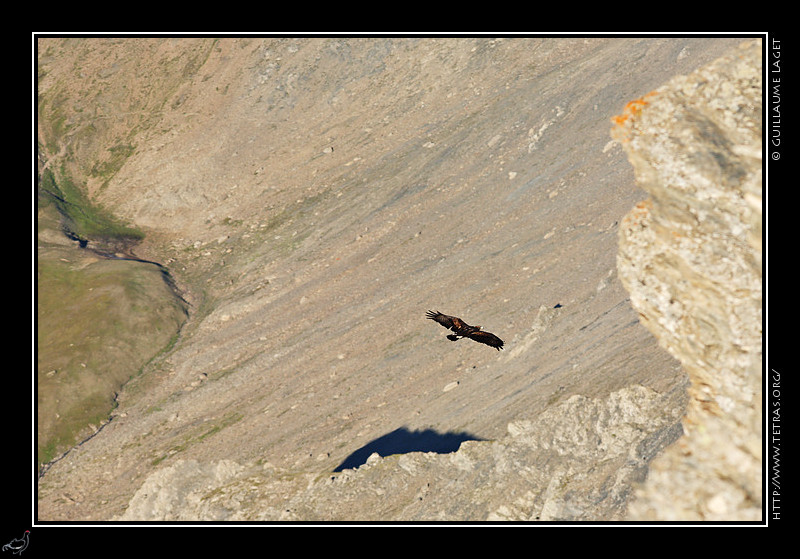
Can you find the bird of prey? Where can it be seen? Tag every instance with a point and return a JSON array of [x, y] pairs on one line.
[[464, 330]]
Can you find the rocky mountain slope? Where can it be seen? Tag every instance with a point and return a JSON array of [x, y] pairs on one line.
[[312, 199]]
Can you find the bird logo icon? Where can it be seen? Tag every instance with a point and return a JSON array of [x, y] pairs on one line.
[[18, 545]]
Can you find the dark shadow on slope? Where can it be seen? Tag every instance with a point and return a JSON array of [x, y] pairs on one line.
[[401, 441]]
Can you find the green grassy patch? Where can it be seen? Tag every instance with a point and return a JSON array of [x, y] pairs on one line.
[[82, 218], [98, 323]]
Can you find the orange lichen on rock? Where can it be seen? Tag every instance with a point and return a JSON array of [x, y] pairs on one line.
[[632, 109]]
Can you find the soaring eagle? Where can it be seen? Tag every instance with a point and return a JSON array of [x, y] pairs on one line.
[[464, 330]]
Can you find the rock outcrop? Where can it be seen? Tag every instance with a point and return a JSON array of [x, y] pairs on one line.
[[577, 461], [690, 256]]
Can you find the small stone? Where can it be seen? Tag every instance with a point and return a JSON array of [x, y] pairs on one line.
[[450, 386]]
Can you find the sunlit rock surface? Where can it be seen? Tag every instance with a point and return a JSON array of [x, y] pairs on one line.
[[690, 256]]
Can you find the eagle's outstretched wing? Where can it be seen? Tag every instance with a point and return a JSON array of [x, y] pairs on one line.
[[449, 322], [486, 338]]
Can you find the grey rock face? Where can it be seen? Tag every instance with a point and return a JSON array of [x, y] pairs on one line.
[[690, 256]]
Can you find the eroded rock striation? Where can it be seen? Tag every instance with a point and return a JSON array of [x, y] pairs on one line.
[[690, 256]]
